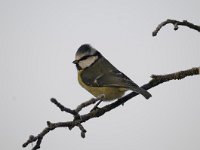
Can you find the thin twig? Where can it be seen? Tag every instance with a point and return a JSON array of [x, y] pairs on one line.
[[85, 104], [176, 24], [83, 131], [63, 108]]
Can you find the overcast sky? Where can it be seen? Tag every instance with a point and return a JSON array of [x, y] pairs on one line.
[[38, 40]]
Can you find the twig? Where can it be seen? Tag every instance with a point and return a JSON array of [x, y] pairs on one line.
[[85, 104], [83, 131], [156, 80], [176, 24], [63, 108]]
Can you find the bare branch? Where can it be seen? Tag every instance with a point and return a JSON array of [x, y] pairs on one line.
[[176, 24], [85, 104], [177, 75], [79, 119], [156, 80], [63, 108], [83, 131]]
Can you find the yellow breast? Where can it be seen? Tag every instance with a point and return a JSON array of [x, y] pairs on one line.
[[110, 93]]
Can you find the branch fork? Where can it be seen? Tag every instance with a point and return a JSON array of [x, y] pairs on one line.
[[79, 119]]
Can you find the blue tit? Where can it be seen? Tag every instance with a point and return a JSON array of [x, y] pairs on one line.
[[99, 77]]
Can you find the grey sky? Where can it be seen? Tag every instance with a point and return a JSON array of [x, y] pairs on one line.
[[38, 40]]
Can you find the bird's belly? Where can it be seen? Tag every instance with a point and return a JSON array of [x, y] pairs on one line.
[[109, 93]]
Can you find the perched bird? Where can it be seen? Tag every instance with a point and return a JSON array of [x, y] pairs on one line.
[[98, 76]]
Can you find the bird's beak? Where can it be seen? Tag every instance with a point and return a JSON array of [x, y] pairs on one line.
[[75, 62]]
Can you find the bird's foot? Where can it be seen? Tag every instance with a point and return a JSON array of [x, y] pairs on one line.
[[100, 98]]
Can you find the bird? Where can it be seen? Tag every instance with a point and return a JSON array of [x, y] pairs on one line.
[[100, 78]]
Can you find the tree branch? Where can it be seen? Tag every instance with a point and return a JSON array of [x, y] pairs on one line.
[[79, 119], [94, 113], [176, 24]]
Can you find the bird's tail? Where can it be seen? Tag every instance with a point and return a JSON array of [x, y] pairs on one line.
[[142, 91]]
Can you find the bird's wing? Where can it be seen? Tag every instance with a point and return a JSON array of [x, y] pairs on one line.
[[106, 76], [115, 79]]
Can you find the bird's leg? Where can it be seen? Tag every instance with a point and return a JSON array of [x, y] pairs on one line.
[[100, 97], [96, 106], [98, 103]]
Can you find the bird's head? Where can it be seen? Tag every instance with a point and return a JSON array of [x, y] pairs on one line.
[[85, 56]]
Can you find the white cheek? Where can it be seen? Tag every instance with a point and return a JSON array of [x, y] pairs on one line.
[[87, 62]]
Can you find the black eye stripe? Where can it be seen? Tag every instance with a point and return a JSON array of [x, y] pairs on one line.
[[85, 57]]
